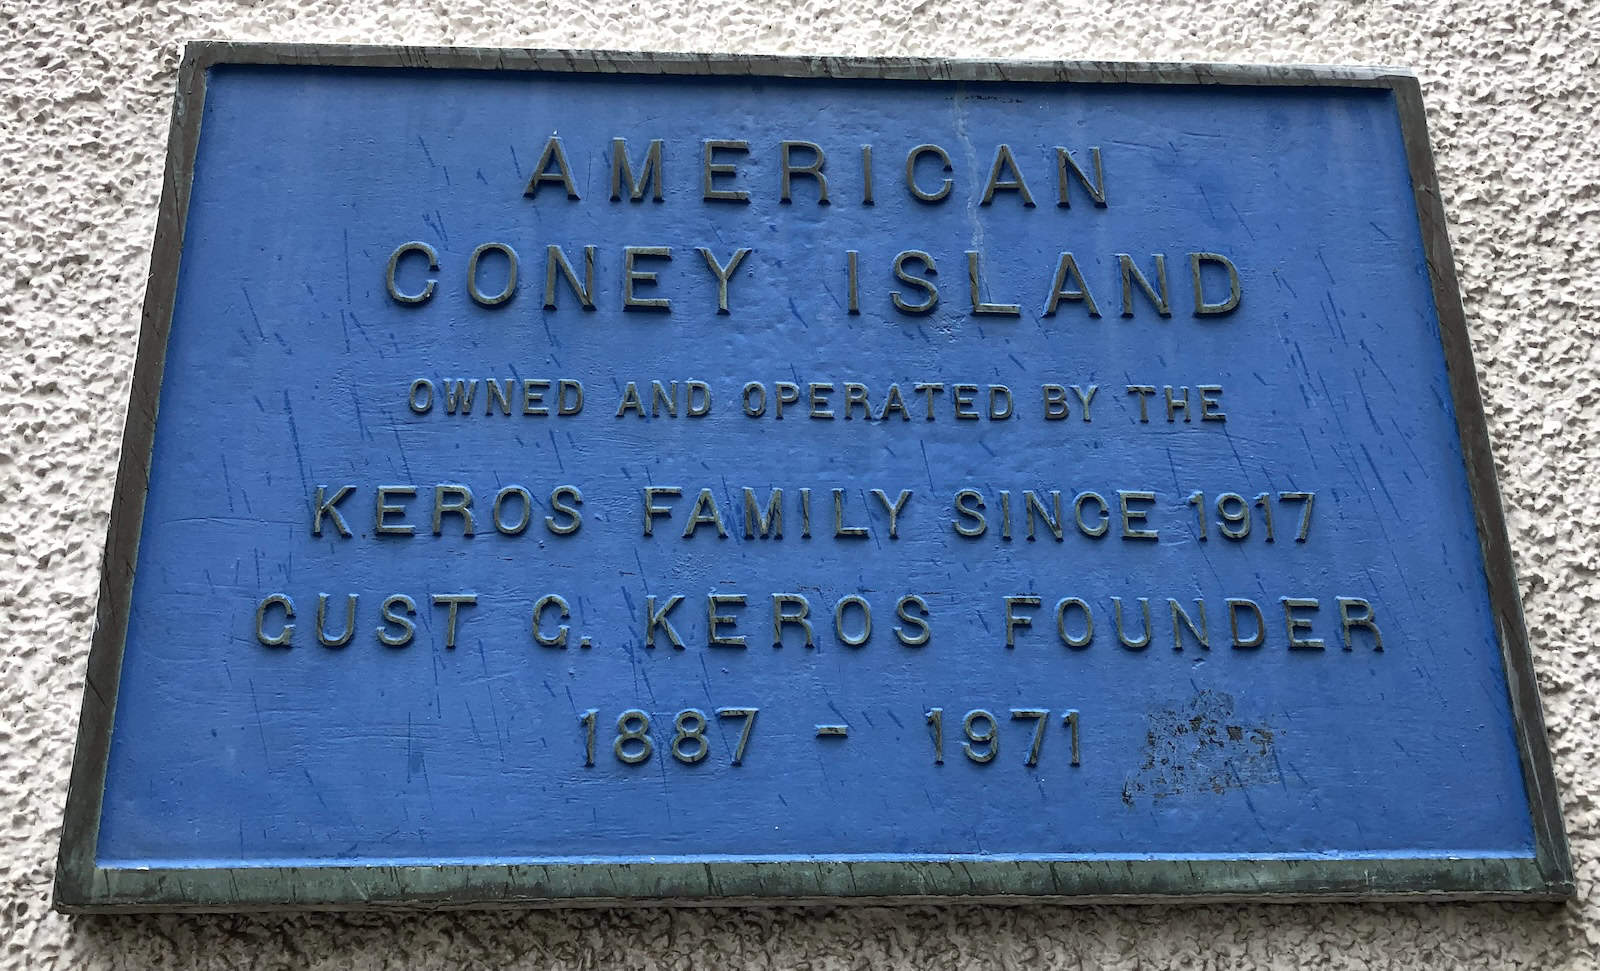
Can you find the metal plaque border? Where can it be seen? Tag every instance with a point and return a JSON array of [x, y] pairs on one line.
[[82, 886]]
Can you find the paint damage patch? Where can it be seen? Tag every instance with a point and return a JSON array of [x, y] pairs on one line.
[[1198, 747]]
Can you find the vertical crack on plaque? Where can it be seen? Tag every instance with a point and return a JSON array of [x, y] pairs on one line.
[[1199, 746]]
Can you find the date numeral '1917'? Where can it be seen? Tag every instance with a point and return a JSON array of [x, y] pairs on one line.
[[1233, 514]]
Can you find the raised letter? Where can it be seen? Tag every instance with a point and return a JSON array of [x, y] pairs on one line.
[[1065, 163], [963, 510], [1201, 308], [722, 273], [383, 527], [630, 276], [651, 510], [1367, 620], [565, 500], [781, 616], [755, 524], [1235, 604], [1294, 625], [453, 601], [900, 611], [408, 629], [541, 174], [349, 621], [563, 610], [510, 290], [1202, 633], [918, 282], [711, 170], [893, 508], [705, 512], [1002, 161], [394, 262], [654, 618], [555, 260], [281, 638], [715, 620], [331, 508], [978, 306], [866, 620], [911, 173], [1131, 273], [1076, 643], [789, 169], [1080, 290], [1015, 620], [459, 502], [1122, 635], [622, 172]]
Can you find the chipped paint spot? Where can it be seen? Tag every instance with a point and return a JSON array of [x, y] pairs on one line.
[[1198, 747]]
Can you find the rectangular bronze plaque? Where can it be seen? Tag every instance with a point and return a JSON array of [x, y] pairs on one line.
[[573, 477]]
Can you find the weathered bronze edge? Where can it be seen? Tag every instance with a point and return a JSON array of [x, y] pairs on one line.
[[84, 887], [76, 867], [207, 53], [1505, 599], [810, 882]]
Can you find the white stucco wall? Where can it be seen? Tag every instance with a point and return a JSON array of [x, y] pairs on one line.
[[1513, 93]]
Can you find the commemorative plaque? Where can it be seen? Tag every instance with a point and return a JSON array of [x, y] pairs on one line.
[[565, 478]]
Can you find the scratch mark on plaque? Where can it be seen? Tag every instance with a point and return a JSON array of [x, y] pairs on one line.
[[666, 787], [347, 298], [400, 450], [314, 790], [427, 155], [227, 483], [1366, 403], [252, 308], [832, 296], [294, 435], [1199, 746], [796, 312], [413, 757], [1240, 217], [260, 728], [927, 466], [1405, 441], [1377, 365], [1379, 476], [1233, 448], [494, 710], [705, 672], [1311, 453]]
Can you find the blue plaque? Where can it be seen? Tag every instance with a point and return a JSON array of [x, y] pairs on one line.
[[571, 478]]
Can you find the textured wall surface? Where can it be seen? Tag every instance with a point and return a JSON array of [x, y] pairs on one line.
[[85, 92]]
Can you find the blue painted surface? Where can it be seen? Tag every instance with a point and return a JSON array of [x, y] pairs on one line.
[[288, 366]]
